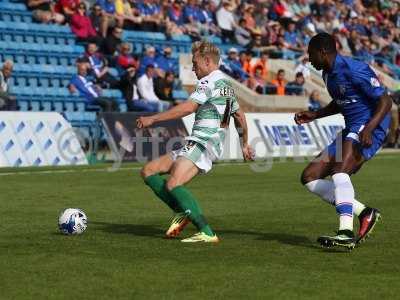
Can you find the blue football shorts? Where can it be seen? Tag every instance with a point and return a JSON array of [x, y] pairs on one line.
[[378, 137]]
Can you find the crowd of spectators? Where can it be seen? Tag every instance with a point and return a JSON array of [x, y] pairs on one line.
[[257, 30]]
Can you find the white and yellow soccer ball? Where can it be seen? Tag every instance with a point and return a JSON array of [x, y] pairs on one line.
[[72, 221]]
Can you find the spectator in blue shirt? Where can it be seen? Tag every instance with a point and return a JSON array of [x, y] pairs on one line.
[[296, 87], [190, 12], [166, 63], [151, 13], [235, 66], [291, 34], [99, 68], [87, 89], [314, 102], [148, 59]]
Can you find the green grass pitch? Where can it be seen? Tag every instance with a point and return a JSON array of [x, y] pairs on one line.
[[267, 222]]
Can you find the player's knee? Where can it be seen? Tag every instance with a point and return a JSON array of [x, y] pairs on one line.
[[146, 171], [172, 183], [307, 176]]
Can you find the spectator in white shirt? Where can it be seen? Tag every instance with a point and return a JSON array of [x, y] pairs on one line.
[[145, 86], [7, 102], [226, 21], [303, 67]]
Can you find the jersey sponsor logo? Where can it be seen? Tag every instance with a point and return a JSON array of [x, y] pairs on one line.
[[342, 102], [201, 89], [227, 92], [375, 82]]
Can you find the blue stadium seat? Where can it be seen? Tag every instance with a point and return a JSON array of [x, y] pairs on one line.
[[35, 105], [180, 95], [181, 38], [12, 6], [46, 105], [23, 105]]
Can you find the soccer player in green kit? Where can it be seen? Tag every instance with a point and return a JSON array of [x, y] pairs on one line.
[[214, 102]]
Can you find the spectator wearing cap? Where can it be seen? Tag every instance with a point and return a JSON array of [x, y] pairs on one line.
[[43, 11], [226, 22], [88, 90], [112, 42], [303, 67], [125, 59], [314, 102], [242, 34], [280, 82], [262, 63], [110, 18], [232, 66], [81, 26], [99, 68], [7, 102], [150, 101], [296, 87]]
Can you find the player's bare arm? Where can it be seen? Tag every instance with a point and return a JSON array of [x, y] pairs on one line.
[[383, 107], [308, 116], [177, 112], [241, 127]]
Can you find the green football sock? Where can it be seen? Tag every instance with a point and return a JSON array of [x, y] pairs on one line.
[[188, 204], [158, 185]]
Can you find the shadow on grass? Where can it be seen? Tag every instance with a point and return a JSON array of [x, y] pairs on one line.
[[283, 238], [152, 231], [135, 229]]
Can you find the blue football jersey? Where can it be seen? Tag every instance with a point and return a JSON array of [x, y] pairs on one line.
[[355, 88]]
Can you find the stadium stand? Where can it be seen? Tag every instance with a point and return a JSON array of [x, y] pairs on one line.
[[44, 55]]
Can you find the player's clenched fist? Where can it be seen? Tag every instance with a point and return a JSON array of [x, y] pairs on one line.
[[143, 122], [304, 117]]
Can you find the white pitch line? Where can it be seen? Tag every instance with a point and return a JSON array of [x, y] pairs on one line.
[[138, 168]]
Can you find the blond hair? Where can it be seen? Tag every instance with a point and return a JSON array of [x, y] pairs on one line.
[[205, 48]]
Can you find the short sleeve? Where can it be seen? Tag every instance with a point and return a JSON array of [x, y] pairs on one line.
[[367, 82], [201, 93]]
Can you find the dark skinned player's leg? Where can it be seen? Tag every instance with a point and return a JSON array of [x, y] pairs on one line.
[[321, 167], [313, 177]]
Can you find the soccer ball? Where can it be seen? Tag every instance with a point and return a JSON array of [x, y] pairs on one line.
[[72, 221]]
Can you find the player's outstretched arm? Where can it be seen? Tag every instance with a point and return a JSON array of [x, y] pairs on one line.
[[383, 107], [308, 116], [241, 127], [177, 112]]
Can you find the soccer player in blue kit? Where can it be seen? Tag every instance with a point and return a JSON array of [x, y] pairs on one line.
[[360, 98]]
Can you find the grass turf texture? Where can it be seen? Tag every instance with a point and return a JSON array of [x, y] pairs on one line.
[[267, 222]]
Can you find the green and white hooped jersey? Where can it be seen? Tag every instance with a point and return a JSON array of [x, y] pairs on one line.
[[216, 97]]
